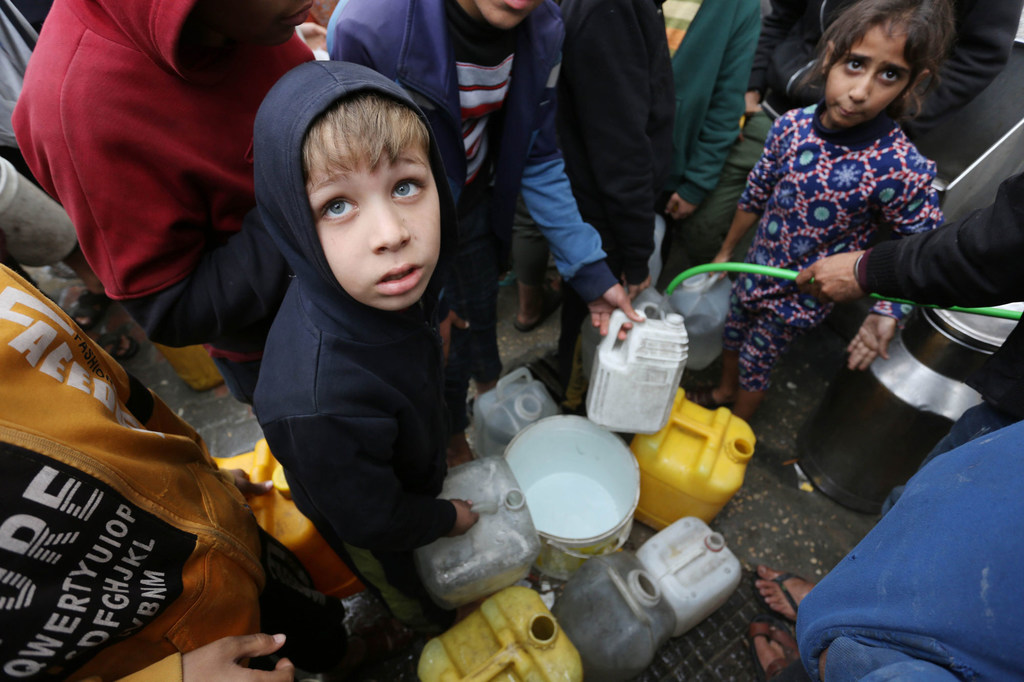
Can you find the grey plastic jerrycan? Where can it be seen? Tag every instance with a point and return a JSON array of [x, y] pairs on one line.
[[614, 612]]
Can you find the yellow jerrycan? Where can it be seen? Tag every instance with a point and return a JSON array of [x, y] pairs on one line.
[[193, 365], [693, 466], [277, 514], [512, 637]]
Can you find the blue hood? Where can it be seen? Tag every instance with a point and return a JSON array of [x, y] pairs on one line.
[[290, 107]]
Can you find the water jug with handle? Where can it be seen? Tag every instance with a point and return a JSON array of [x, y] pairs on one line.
[[694, 569], [613, 611], [703, 301], [634, 381], [649, 302], [517, 401], [496, 552]]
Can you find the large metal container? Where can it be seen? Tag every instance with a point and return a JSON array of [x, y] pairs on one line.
[[873, 428]]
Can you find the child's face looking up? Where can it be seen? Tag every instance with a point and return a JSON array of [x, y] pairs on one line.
[[867, 80], [380, 229]]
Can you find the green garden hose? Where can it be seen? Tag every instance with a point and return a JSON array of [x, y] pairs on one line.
[[782, 273]]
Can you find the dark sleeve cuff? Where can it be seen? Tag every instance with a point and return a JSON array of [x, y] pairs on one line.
[[879, 264], [592, 280]]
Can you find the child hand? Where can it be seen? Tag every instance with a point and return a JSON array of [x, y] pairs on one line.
[[224, 659], [872, 340], [465, 517]]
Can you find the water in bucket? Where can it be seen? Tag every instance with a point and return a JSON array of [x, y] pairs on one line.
[[496, 552], [614, 612], [516, 401], [512, 637], [703, 301], [694, 569], [634, 381], [581, 484]]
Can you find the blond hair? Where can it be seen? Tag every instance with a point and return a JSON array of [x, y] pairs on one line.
[[358, 130]]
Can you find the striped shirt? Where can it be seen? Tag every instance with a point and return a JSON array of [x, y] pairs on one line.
[[482, 92]]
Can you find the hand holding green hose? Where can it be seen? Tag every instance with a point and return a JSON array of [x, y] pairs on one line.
[[782, 273]]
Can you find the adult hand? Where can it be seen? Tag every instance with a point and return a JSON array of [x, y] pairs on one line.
[[601, 310], [832, 279], [678, 207], [248, 488], [223, 660], [465, 517], [635, 289], [872, 340]]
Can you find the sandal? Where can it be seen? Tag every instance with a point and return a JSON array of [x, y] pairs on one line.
[[119, 345], [779, 580], [773, 630], [705, 397], [89, 309]]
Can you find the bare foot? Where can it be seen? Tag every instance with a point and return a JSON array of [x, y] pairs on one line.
[[781, 592]]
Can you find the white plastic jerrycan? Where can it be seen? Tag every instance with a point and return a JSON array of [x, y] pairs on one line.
[[694, 569], [496, 552], [633, 382], [517, 401], [650, 302], [703, 301]]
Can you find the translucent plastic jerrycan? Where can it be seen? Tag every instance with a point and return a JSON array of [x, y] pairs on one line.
[[703, 301], [650, 302], [517, 401], [512, 637], [613, 611], [276, 513], [693, 466], [694, 569], [496, 552], [634, 381]]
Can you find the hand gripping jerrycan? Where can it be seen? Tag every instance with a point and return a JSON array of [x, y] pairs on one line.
[[496, 552], [694, 569], [703, 301], [693, 466], [650, 302], [517, 401], [276, 513], [512, 637], [614, 612], [634, 381]]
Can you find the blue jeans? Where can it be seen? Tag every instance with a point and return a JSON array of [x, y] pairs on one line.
[[472, 292], [977, 421], [850, 660]]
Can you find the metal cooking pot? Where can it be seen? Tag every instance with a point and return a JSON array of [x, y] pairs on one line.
[[873, 428]]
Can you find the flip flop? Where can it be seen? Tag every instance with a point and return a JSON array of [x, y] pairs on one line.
[[780, 581], [88, 309], [774, 630], [115, 345]]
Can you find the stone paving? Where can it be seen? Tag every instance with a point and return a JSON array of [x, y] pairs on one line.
[[776, 518]]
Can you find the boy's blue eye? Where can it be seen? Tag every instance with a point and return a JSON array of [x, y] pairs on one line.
[[336, 208], [406, 188]]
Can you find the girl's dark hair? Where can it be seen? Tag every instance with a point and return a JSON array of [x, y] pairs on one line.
[[928, 25]]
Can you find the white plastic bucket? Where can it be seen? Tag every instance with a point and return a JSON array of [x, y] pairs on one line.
[[582, 486], [37, 229]]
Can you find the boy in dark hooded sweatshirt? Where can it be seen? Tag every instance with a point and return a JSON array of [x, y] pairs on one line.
[[351, 187]]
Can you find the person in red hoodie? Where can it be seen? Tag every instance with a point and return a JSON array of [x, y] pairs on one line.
[[136, 115]]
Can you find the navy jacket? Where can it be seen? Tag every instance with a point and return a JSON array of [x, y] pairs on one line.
[[407, 40], [349, 396]]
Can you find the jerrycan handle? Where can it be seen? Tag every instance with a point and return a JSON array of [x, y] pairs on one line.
[[520, 375], [611, 342]]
